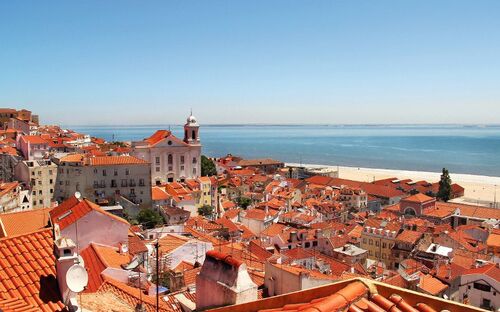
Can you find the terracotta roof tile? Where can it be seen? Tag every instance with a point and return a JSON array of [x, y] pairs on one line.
[[115, 160], [24, 277], [17, 223], [72, 209]]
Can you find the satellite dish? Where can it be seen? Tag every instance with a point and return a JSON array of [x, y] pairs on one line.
[[80, 261], [77, 278]]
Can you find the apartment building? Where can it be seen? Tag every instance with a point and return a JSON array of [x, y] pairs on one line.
[[379, 237], [100, 179], [39, 176]]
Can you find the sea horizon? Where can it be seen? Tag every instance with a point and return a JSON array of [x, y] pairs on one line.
[[463, 149]]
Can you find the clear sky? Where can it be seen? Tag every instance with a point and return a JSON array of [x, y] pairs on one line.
[[149, 62]]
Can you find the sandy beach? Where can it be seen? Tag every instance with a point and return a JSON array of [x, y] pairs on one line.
[[479, 190]]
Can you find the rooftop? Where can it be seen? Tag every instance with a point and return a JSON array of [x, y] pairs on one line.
[[352, 295], [27, 270]]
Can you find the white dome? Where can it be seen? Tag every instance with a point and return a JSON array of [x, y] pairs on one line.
[[191, 119]]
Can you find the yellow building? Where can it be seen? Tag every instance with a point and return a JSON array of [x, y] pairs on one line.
[[379, 237]]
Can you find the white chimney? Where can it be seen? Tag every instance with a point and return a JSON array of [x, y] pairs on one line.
[[123, 248], [66, 257]]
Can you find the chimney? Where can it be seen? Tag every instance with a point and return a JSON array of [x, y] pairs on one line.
[[223, 281], [319, 233], [123, 248], [293, 236], [66, 257]]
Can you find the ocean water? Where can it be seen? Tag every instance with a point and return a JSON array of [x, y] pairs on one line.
[[461, 149]]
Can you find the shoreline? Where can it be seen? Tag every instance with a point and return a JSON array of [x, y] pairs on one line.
[[479, 189]]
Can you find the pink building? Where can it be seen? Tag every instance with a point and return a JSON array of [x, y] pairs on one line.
[[33, 147], [77, 215]]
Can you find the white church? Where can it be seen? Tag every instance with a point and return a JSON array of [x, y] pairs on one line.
[[172, 159]]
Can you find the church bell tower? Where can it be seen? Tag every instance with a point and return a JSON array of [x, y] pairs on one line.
[[191, 128]]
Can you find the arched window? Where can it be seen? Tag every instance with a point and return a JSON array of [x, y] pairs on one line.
[[410, 212], [193, 135], [170, 159]]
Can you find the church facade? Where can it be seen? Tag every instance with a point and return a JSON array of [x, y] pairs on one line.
[[171, 158]]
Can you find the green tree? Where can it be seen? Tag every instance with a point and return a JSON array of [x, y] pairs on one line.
[[244, 202], [206, 210], [149, 218], [207, 167], [444, 192]]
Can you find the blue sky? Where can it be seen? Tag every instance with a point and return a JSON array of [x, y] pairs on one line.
[[149, 62]]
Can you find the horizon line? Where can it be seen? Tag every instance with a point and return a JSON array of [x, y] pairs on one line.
[[287, 124]]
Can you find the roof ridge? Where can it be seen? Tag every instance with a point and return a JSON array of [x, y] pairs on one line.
[[24, 234]]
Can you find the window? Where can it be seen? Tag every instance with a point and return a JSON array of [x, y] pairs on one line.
[[50, 172], [113, 183], [194, 171], [170, 159], [194, 160], [370, 242], [182, 160], [157, 169], [486, 304], [315, 243], [376, 243], [124, 183], [157, 160], [127, 172], [95, 171], [308, 244], [482, 287], [104, 172], [96, 184], [141, 182], [182, 167], [40, 202], [51, 191], [116, 172], [132, 191], [364, 240], [51, 181]]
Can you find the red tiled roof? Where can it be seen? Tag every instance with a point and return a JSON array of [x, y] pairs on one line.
[[158, 193], [431, 285], [27, 270], [135, 244], [17, 223], [34, 139], [419, 198], [410, 237], [115, 160], [94, 266], [17, 305], [490, 269], [72, 209], [222, 257], [160, 135]]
